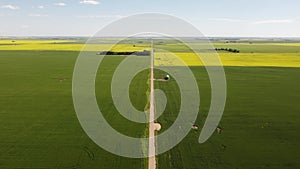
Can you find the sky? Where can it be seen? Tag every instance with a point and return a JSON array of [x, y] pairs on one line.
[[220, 18]]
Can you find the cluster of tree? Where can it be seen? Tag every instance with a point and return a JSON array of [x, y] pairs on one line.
[[137, 53], [228, 50], [232, 41]]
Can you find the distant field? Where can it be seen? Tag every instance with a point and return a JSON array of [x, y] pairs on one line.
[[257, 54], [64, 45], [229, 59], [39, 127]]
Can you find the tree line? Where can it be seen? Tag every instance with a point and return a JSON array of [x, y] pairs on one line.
[[228, 50]]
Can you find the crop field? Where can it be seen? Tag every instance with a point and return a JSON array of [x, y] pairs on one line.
[[39, 127]]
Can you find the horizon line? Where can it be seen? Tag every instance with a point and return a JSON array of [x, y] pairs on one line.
[[204, 37]]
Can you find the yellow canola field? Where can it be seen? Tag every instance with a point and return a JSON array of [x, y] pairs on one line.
[[66, 45], [163, 58], [229, 59]]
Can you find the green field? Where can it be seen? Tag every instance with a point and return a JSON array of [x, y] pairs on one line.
[[39, 127]]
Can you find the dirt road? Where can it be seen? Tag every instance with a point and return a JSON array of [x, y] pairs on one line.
[[152, 149]]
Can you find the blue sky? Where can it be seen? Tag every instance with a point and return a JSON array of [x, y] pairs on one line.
[[257, 18]]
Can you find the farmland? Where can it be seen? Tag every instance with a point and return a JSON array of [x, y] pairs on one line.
[[39, 127]]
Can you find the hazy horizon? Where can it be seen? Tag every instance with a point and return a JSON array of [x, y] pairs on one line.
[[218, 18]]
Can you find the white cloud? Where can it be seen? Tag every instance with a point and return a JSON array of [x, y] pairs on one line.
[[60, 4], [256, 22], [24, 26], [274, 21], [226, 20], [37, 15], [12, 7], [89, 2], [41, 7], [101, 16]]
